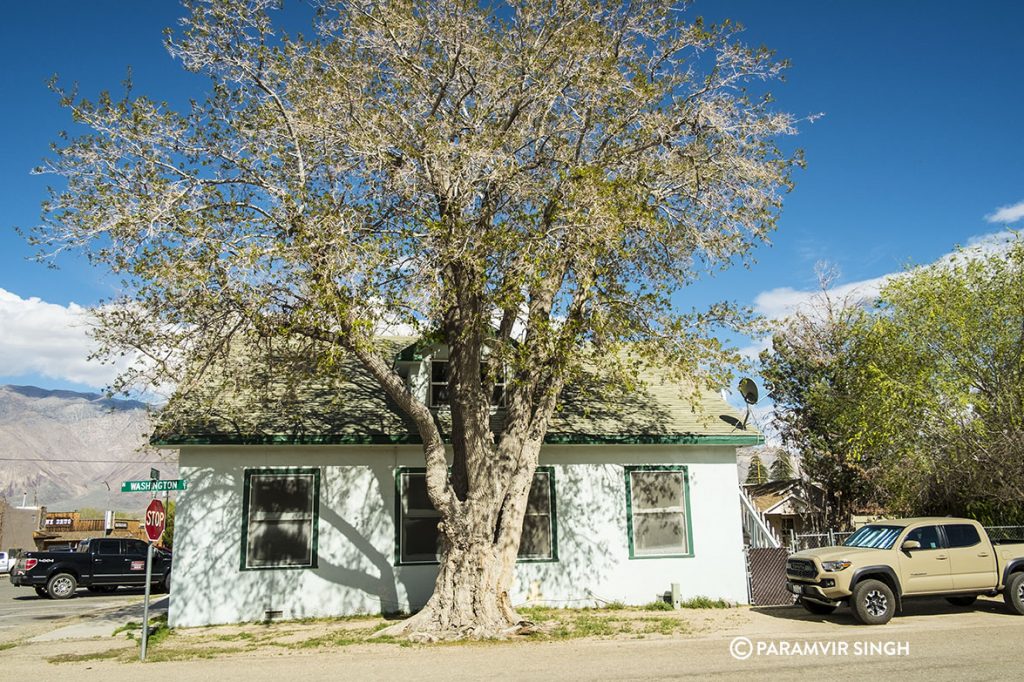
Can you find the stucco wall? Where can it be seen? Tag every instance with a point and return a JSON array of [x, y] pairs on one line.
[[356, 544]]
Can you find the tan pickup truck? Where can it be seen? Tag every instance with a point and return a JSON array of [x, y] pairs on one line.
[[886, 562]]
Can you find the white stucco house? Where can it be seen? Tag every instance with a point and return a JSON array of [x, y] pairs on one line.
[[313, 503]]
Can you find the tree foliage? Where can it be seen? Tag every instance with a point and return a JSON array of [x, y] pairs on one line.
[[756, 471], [916, 405], [782, 466], [530, 185]]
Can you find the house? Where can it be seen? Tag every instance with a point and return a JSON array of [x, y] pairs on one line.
[[788, 507], [309, 499]]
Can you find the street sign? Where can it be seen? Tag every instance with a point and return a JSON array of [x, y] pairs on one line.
[[155, 520], [153, 486]]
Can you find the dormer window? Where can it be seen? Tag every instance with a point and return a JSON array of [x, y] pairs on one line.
[[439, 384]]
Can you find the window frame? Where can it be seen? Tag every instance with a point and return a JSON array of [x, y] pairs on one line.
[[248, 475], [501, 382], [687, 517], [421, 471], [948, 540]]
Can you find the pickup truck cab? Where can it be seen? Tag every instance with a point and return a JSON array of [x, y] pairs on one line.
[[100, 564], [885, 562], [6, 561]]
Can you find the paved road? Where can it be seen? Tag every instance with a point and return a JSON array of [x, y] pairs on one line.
[[932, 641], [21, 610]]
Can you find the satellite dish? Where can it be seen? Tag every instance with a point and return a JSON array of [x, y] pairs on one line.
[[733, 421], [748, 389]]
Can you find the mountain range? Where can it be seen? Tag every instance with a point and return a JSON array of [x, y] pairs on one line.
[[67, 450]]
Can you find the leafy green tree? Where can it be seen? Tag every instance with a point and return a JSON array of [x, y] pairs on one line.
[[168, 537], [530, 186], [916, 404], [756, 472], [782, 467]]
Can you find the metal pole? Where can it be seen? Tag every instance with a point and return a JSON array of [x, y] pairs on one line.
[[145, 608]]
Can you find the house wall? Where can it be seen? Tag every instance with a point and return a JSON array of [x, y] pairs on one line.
[[356, 571]]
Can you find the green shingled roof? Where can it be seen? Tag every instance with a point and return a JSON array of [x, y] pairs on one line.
[[285, 399]]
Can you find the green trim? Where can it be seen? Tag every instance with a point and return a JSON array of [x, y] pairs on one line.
[[629, 469], [315, 532], [399, 472], [173, 440], [550, 471], [404, 470]]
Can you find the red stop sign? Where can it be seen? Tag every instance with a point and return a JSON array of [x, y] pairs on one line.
[[155, 520]]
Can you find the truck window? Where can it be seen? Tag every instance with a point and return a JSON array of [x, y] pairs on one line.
[[135, 547], [83, 546], [108, 547], [961, 535], [928, 536]]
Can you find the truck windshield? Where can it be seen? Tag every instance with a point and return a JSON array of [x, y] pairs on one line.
[[874, 537]]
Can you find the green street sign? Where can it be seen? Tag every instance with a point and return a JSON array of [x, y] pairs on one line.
[[153, 486]]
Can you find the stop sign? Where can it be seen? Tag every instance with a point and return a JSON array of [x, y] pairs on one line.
[[155, 520]]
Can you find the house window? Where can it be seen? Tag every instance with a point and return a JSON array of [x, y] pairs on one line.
[[439, 384], [279, 518], [418, 541], [657, 512]]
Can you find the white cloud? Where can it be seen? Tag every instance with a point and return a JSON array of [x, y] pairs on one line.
[[782, 302], [37, 337], [1007, 214]]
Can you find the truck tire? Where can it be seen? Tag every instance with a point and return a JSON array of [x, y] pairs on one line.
[[165, 586], [61, 586], [41, 591], [1014, 593], [873, 602], [962, 601], [817, 608]]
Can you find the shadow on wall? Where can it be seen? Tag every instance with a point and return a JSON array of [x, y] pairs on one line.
[[355, 513]]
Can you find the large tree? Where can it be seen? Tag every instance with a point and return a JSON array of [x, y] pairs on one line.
[[530, 183], [915, 405]]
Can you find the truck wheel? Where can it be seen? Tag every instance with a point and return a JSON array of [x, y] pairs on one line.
[[1014, 593], [41, 591], [165, 586], [873, 602], [961, 601], [62, 586], [816, 608]]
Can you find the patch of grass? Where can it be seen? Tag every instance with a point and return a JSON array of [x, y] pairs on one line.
[[4, 646], [130, 627], [613, 606], [95, 656], [705, 603], [657, 605]]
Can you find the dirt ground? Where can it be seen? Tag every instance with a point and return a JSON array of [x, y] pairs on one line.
[[932, 640]]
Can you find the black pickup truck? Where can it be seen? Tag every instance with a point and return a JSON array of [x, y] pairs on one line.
[[100, 564]]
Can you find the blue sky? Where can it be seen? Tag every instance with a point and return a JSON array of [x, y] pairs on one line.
[[921, 140]]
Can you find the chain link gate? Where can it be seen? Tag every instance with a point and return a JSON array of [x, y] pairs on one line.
[[766, 576]]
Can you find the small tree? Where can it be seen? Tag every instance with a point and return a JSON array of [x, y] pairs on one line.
[[530, 186], [167, 540], [756, 472], [782, 467]]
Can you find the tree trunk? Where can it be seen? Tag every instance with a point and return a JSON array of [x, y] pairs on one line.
[[475, 577]]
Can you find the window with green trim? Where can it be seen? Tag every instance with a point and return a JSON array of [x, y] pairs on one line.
[[658, 511], [418, 541], [280, 512]]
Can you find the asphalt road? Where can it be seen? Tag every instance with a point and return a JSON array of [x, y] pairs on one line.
[[22, 610]]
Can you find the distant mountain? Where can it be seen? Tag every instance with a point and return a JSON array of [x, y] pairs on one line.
[[69, 450]]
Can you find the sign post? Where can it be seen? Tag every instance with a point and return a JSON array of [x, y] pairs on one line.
[[155, 517]]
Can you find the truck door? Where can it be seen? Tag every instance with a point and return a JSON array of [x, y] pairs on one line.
[[971, 559], [925, 569], [135, 562], [107, 561]]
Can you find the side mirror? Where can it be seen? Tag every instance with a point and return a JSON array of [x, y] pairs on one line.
[[909, 545]]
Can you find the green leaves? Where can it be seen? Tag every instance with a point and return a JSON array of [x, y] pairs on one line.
[[915, 405]]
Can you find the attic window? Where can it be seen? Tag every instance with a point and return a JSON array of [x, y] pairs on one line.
[[439, 384]]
